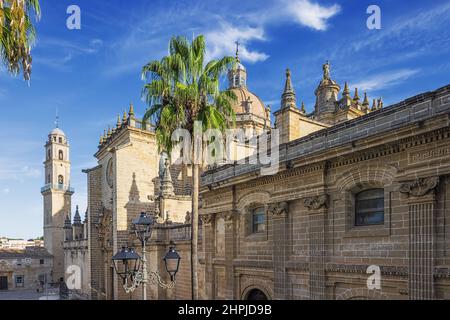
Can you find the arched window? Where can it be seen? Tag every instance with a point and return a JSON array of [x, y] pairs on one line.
[[258, 219], [369, 207], [60, 179], [60, 140], [49, 154], [61, 155]]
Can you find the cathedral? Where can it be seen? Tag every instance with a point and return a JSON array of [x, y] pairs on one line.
[[361, 187]]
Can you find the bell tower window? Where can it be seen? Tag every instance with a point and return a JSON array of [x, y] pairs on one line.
[[60, 179], [60, 140], [61, 155]]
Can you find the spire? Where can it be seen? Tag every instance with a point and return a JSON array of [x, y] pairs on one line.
[[346, 92], [365, 103], [356, 96], [119, 122], [303, 110], [77, 218], [167, 185], [380, 103], [101, 140], [374, 105], [124, 118], [288, 98], [109, 133], [131, 112], [346, 100], [237, 75], [57, 119], [67, 222], [85, 216]]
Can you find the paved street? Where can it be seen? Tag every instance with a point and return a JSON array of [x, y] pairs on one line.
[[19, 295]]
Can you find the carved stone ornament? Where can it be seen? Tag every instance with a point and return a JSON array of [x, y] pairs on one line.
[[206, 218], [227, 215], [278, 209], [316, 202], [419, 187]]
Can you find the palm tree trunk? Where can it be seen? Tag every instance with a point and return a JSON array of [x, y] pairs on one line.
[[194, 226]]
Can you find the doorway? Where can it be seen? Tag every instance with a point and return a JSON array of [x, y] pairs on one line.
[[3, 283], [256, 294]]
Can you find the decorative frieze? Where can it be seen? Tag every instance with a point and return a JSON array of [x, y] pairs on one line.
[[278, 209], [419, 187], [316, 202]]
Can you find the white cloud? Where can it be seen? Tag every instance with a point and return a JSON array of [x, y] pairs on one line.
[[147, 39], [310, 14], [5, 191], [385, 80], [221, 42]]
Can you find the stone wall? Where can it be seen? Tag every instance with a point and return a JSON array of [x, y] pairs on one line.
[[311, 247]]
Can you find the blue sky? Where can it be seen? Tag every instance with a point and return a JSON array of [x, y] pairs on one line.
[[91, 75]]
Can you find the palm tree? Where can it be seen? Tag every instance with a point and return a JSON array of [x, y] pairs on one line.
[[17, 34], [181, 90]]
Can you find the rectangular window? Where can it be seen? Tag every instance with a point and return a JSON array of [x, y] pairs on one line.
[[41, 261], [19, 281], [369, 207], [259, 220]]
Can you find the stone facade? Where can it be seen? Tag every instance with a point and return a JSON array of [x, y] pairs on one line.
[[311, 246], [132, 177]]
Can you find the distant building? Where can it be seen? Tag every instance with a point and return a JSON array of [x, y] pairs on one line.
[[28, 268], [6, 243]]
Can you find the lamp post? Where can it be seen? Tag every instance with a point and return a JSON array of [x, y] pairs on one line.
[[130, 266]]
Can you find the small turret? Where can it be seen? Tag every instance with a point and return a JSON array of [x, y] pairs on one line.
[[374, 105], [365, 103], [303, 109], [119, 122], [77, 226], [346, 100], [288, 99], [68, 234], [131, 112], [124, 118], [356, 96], [380, 103], [166, 183]]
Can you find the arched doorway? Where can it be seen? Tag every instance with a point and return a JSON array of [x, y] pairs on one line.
[[256, 294]]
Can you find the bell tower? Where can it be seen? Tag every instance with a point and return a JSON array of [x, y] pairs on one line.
[[57, 195]]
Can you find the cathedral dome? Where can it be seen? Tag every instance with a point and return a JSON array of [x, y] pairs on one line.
[[247, 102], [58, 131]]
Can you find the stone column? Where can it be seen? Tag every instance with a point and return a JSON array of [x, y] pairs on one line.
[[279, 212], [317, 209], [421, 206], [208, 238], [228, 217]]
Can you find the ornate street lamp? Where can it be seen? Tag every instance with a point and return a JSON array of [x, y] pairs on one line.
[[128, 266], [172, 262], [142, 226]]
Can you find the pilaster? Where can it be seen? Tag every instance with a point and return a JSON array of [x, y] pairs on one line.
[[317, 210], [420, 195]]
